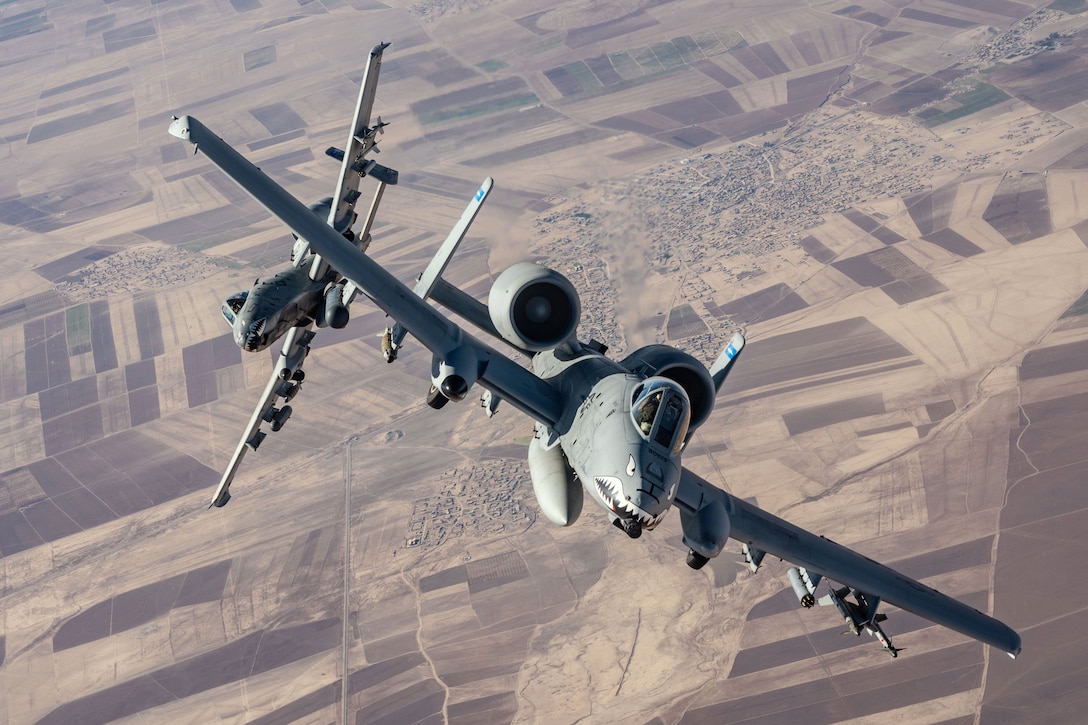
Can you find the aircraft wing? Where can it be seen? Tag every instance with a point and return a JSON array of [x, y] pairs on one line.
[[767, 533], [280, 385], [360, 141], [354, 164], [495, 372]]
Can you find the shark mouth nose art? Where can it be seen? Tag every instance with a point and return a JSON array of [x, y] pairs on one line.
[[611, 490], [253, 337]]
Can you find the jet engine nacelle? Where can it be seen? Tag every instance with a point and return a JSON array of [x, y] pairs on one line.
[[321, 209], [335, 312], [706, 530], [681, 368], [557, 489], [533, 307]]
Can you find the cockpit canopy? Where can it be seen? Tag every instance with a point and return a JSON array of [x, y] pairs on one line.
[[661, 412], [233, 304]]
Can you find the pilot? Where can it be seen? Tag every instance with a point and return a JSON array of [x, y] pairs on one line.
[[647, 409]]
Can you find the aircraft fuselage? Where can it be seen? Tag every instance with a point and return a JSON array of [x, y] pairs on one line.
[[630, 466], [274, 305]]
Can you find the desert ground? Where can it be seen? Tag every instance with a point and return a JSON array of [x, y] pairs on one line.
[[885, 196]]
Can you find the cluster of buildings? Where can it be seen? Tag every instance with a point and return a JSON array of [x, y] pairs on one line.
[[722, 213], [481, 500], [763, 198], [1016, 42], [137, 269], [1028, 132]]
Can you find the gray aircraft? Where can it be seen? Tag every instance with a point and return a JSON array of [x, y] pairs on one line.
[[612, 430], [309, 291]]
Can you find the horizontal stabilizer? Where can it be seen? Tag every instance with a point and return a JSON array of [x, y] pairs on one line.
[[431, 276], [725, 361], [366, 167]]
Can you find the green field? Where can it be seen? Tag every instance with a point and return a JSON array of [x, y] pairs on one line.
[[689, 49], [583, 75], [727, 38], [77, 322], [493, 105], [981, 96], [649, 61], [668, 54], [625, 65], [661, 57]]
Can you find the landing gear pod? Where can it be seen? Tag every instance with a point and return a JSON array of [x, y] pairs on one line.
[[705, 532], [558, 492]]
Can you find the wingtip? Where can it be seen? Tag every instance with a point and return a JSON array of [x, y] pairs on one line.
[[180, 127], [1014, 644]]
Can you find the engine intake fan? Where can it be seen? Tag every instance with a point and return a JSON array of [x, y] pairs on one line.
[[533, 307]]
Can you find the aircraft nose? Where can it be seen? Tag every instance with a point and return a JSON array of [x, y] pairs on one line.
[[655, 484], [254, 335], [649, 500], [642, 504]]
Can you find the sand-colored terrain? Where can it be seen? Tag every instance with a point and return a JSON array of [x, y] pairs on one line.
[[887, 197]]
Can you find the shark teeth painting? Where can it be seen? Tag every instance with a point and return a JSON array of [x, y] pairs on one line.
[[611, 490]]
